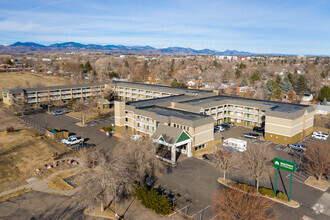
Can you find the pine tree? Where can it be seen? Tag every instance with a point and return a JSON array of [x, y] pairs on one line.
[[278, 79], [244, 81], [301, 84], [290, 77], [325, 93], [255, 77], [175, 83], [269, 90], [285, 85]]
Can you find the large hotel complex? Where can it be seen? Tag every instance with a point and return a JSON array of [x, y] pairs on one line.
[[183, 119]]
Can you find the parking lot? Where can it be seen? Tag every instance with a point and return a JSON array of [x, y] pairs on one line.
[[91, 133], [192, 184]]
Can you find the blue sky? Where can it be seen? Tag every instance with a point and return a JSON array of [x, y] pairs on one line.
[[286, 26]]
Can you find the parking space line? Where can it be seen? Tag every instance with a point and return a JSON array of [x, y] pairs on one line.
[[189, 205], [182, 197], [200, 211]]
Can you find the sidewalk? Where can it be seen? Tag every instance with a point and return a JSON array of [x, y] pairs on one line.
[[42, 186]]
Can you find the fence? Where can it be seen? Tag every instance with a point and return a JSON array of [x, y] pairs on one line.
[[39, 127]]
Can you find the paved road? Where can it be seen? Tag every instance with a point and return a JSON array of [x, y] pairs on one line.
[[91, 132], [37, 205]]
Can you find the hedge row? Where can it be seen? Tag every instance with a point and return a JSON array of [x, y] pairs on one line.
[[151, 199], [262, 191]]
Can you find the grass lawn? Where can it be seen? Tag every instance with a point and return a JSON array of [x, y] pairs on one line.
[[21, 152], [11, 80], [57, 182]]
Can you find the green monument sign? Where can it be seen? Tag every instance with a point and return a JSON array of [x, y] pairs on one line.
[[284, 165]]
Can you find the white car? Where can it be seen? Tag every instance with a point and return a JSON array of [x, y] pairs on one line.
[[320, 136], [219, 128], [72, 140], [65, 140]]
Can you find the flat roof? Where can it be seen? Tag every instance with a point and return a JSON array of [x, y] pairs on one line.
[[150, 102], [49, 88], [169, 112], [271, 105], [161, 87]]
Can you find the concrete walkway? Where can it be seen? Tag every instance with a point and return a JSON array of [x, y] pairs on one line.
[[42, 186]]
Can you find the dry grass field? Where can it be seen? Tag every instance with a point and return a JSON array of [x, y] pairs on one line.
[[10, 121], [12, 80], [21, 152], [57, 182]]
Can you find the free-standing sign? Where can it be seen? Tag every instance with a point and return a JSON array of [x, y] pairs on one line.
[[284, 165]]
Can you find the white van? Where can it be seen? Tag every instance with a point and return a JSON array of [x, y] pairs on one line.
[[237, 144]]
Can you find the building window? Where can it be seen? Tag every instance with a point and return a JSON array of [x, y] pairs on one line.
[[200, 147]]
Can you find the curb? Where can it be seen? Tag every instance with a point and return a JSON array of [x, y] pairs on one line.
[[315, 187], [273, 199]]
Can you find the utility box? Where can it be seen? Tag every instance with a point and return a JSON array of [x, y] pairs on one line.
[[56, 133]]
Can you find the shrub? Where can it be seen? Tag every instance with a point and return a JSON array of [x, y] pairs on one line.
[[107, 129], [282, 196], [265, 191], [151, 199], [10, 129]]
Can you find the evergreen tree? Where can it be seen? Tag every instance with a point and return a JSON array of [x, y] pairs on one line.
[[278, 93], [255, 77], [87, 67], [285, 85], [290, 77], [301, 84], [322, 75], [278, 79], [244, 81], [9, 62], [175, 83], [325, 93], [268, 88], [126, 64]]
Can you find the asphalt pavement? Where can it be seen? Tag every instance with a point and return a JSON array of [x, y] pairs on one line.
[[91, 132]]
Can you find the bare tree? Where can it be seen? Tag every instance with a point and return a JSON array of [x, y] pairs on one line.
[[225, 161], [141, 159], [234, 204], [318, 160], [256, 162], [107, 180]]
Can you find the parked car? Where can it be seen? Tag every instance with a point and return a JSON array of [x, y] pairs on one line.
[[72, 140], [251, 135], [219, 128], [320, 136], [259, 129], [297, 147], [59, 112], [225, 126], [320, 133], [64, 141]]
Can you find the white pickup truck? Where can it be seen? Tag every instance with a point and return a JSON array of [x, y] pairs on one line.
[[72, 140]]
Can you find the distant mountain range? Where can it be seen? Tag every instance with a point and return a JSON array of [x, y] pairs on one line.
[[116, 49]]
